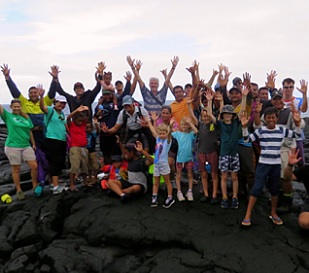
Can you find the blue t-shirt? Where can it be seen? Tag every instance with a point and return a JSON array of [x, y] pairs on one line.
[[185, 144], [55, 124], [161, 151]]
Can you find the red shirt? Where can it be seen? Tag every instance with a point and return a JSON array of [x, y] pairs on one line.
[[78, 135]]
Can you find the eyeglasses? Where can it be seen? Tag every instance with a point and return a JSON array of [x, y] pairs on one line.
[[288, 87]]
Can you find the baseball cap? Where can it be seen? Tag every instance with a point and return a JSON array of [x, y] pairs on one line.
[[127, 100], [116, 158], [78, 84], [276, 93], [217, 86], [234, 89], [60, 98], [106, 92], [236, 80]]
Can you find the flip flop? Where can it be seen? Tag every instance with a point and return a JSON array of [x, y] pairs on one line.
[[246, 223], [276, 220]]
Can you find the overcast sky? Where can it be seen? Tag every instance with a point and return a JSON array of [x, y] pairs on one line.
[[247, 36]]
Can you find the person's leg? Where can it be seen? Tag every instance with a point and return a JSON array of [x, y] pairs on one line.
[[33, 165], [251, 203], [16, 177], [204, 177], [234, 177], [274, 203], [178, 176], [190, 174], [168, 184], [156, 184], [132, 190], [115, 186], [72, 184], [215, 184], [224, 176]]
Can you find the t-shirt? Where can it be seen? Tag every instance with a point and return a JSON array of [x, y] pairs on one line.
[[161, 150], [185, 144], [228, 137], [78, 135], [208, 138], [136, 172], [18, 130], [91, 141], [179, 110], [55, 124], [150, 103]]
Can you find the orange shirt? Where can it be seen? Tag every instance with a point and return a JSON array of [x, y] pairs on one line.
[[179, 110]]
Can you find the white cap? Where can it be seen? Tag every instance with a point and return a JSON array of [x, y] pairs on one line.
[[60, 98]]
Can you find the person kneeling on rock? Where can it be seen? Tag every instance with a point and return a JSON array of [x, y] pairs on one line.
[[137, 172]]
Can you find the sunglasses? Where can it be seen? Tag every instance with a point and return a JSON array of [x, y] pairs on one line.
[[61, 117], [288, 87]]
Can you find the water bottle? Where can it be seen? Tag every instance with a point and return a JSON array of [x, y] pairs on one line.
[[208, 168]]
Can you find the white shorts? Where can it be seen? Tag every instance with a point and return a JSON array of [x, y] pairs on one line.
[[17, 155], [161, 168]]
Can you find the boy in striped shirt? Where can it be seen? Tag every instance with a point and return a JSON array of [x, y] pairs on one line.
[[270, 137]]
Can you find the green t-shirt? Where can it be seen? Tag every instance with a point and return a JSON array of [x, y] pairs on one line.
[[18, 130], [55, 124]]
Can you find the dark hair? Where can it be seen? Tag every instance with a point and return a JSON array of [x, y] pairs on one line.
[[177, 87], [118, 82], [32, 87], [288, 80], [270, 111], [263, 88], [15, 101], [79, 115], [130, 147], [107, 74], [188, 85], [167, 107], [255, 84]]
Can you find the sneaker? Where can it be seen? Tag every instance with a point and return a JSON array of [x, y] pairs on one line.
[[21, 195], [180, 196], [154, 202], [59, 189], [204, 199], [214, 201], [189, 196], [124, 198], [168, 203], [235, 203], [225, 203]]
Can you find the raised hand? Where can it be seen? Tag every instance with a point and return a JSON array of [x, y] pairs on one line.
[[218, 97], [243, 117], [5, 70], [130, 61], [175, 61], [128, 76], [215, 72], [95, 120], [209, 95], [139, 146], [54, 71], [271, 78], [138, 65], [221, 67], [101, 67], [293, 157], [296, 118], [154, 116], [189, 100], [303, 87], [164, 72], [245, 90], [258, 106], [247, 79], [41, 90], [82, 108], [104, 128]]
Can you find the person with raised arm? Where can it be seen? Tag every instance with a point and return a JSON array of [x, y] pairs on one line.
[[153, 98], [56, 137], [81, 97]]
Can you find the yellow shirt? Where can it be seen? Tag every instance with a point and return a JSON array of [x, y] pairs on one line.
[[29, 107]]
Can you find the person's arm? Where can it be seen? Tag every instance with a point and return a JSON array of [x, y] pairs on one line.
[[244, 93], [1, 109], [189, 121], [139, 148], [292, 160], [41, 92], [170, 85], [81, 108], [212, 78], [112, 130], [192, 116], [257, 116], [154, 117], [96, 125], [121, 146], [210, 97], [32, 141], [271, 78], [135, 72], [127, 88], [12, 86], [244, 119], [303, 89], [174, 61]]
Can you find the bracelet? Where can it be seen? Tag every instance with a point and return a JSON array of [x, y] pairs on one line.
[[132, 67], [290, 165]]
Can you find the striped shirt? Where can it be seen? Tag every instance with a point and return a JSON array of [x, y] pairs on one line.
[[150, 103], [270, 142]]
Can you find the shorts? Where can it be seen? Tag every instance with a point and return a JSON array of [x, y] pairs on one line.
[[161, 168], [212, 159], [93, 161], [126, 184], [229, 163], [188, 165], [284, 154], [17, 155], [79, 159]]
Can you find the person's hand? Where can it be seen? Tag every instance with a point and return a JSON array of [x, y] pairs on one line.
[[303, 87], [218, 96], [154, 116], [215, 72], [271, 78], [188, 120], [41, 90], [5, 70], [247, 79], [164, 72], [128, 76], [139, 146], [54, 71], [144, 122], [245, 90], [95, 120], [243, 117], [130, 61], [175, 61], [82, 108], [209, 95], [258, 106], [104, 128], [138, 65], [221, 67], [296, 118], [293, 157], [189, 100], [117, 139], [101, 67], [34, 147]]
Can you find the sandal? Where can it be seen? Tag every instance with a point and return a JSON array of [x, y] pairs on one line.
[[276, 220], [246, 223]]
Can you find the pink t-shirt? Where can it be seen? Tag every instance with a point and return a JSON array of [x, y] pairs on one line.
[[175, 125]]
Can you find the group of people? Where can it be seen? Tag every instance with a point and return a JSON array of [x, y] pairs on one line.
[[218, 132]]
